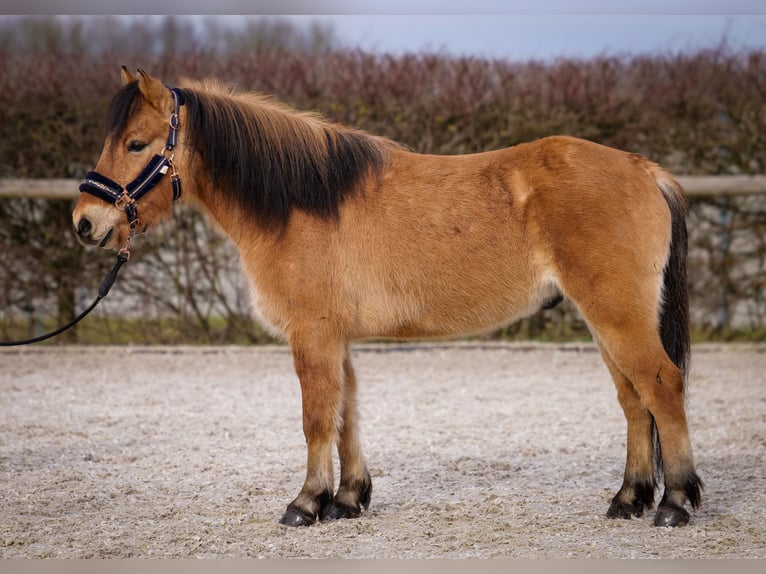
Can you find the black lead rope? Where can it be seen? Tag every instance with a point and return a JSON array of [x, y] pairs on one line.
[[122, 257]]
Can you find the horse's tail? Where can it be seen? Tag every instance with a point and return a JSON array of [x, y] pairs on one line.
[[674, 316], [674, 312]]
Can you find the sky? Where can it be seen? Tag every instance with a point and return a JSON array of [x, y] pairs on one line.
[[546, 36], [515, 29]]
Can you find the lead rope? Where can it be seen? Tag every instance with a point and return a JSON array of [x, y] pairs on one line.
[[122, 257]]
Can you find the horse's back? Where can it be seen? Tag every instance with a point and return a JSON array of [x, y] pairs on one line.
[[554, 195]]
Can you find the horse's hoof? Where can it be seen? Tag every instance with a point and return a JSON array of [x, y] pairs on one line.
[[343, 505], [619, 509], [296, 517], [339, 511], [668, 515]]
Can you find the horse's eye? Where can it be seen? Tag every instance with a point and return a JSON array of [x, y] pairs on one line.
[[135, 145]]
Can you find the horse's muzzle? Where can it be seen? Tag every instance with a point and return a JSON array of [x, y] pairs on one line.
[[84, 231]]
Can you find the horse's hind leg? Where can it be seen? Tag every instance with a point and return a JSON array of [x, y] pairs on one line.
[[639, 483], [355, 487], [634, 346]]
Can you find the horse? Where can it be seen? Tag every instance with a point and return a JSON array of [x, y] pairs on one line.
[[346, 236]]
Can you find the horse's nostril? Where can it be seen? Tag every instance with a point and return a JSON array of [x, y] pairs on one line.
[[84, 227]]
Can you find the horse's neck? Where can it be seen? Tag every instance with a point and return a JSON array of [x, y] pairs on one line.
[[230, 219]]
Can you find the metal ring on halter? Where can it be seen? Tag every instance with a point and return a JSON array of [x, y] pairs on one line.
[[175, 121], [125, 249], [122, 202]]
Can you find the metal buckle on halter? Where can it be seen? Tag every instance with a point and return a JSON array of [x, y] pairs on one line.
[[131, 211], [123, 201], [125, 249], [175, 121], [175, 178], [129, 205]]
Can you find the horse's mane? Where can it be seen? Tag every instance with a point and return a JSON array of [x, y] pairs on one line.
[[265, 155]]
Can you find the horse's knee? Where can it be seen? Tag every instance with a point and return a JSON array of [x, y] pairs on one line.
[[321, 391], [319, 423]]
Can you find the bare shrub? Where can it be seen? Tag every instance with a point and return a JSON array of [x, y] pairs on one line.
[[695, 113]]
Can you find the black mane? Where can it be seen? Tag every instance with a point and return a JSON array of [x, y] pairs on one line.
[[267, 157]]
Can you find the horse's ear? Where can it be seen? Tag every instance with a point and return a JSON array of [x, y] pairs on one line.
[[126, 76], [153, 90]]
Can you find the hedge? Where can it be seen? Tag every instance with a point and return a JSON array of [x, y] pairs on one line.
[[695, 113]]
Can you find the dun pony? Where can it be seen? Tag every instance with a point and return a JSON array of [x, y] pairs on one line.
[[346, 236]]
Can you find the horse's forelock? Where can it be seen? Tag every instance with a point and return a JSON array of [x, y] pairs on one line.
[[121, 108]]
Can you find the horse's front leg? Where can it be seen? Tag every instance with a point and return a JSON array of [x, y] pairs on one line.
[[318, 358], [355, 487]]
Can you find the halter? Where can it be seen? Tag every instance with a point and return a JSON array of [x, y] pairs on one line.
[[127, 198]]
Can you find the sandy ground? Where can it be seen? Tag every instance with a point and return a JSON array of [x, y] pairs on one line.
[[476, 450]]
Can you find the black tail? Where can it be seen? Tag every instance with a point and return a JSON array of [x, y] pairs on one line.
[[674, 318]]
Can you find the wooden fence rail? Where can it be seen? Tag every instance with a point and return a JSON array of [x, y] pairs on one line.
[[695, 186]]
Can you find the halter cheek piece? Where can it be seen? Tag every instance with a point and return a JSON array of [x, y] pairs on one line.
[[127, 198]]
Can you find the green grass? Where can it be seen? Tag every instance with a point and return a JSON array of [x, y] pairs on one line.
[[243, 331], [165, 331], [728, 336]]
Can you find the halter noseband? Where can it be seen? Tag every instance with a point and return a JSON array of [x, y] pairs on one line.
[[127, 198]]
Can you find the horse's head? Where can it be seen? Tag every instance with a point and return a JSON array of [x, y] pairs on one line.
[[127, 192]]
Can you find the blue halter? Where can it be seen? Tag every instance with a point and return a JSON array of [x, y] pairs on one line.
[[127, 198]]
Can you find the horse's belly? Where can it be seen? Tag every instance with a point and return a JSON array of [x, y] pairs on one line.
[[453, 314]]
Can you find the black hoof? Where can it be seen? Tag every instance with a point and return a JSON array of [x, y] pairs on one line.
[[344, 506], [619, 509], [671, 515], [339, 511], [641, 497], [296, 517]]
